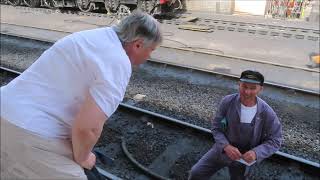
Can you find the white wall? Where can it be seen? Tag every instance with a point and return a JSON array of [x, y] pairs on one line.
[[214, 6], [255, 7]]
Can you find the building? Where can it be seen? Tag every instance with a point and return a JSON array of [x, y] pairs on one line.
[[286, 9]]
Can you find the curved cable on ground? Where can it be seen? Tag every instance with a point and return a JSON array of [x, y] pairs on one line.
[[136, 163]]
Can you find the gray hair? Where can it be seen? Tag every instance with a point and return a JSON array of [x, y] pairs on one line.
[[139, 25]]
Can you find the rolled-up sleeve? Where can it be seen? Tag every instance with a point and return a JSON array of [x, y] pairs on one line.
[[217, 132], [272, 137]]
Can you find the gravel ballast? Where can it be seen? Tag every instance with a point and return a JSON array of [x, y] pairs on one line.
[[168, 150], [185, 98]]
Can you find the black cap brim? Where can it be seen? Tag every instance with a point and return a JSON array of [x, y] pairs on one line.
[[250, 81]]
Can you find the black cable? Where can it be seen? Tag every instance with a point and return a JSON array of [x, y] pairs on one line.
[[136, 163]]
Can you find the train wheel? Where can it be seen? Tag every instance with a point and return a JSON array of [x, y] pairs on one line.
[[147, 6], [52, 4], [111, 5], [123, 11], [85, 5], [32, 3], [156, 10], [14, 2], [107, 7]]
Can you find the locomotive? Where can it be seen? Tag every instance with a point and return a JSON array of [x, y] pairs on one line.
[[153, 7]]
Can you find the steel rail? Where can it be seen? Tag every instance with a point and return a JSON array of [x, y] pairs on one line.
[[46, 40], [107, 174], [313, 92], [208, 131], [188, 49], [277, 27], [201, 129], [282, 86]]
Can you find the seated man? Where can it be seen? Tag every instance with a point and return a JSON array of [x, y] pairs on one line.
[[245, 127]]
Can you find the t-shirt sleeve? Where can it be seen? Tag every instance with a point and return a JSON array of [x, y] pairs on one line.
[[107, 95], [109, 87]]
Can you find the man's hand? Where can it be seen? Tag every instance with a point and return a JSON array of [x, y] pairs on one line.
[[89, 162], [249, 156], [232, 152]]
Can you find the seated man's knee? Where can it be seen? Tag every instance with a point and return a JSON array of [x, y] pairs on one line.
[[196, 173], [206, 166], [193, 172]]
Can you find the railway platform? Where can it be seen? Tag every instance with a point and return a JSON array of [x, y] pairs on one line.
[[226, 44]]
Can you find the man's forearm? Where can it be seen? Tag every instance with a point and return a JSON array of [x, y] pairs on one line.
[[86, 129], [83, 142]]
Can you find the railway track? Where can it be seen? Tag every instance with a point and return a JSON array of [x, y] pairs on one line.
[[186, 48], [287, 31], [166, 67], [27, 46], [300, 122], [165, 53], [259, 29], [216, 24], [152, 143]]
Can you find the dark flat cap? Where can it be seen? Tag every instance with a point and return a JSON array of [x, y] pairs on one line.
[[250, 76]]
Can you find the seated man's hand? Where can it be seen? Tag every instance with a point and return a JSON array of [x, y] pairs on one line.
[[232, 152], [249, 156]]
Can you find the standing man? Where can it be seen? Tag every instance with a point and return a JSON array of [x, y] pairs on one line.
[[245, 127], [53, 114]]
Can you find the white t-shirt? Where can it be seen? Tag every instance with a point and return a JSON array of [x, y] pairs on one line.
[[247, 113], [47, 96]]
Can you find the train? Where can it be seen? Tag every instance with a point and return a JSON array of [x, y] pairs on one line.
[[156, 8]]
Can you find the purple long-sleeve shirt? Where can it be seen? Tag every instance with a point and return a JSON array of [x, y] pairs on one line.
[[266, 138]]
